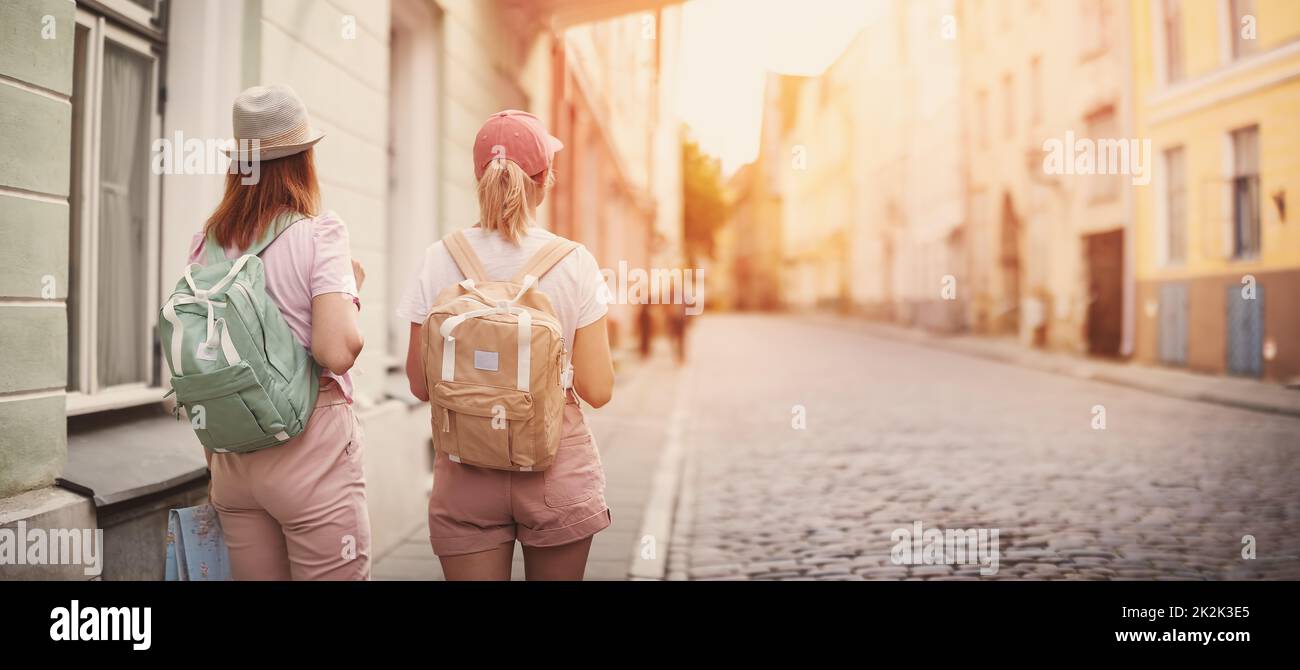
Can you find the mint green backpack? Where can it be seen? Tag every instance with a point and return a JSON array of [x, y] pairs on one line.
[[244, 381]]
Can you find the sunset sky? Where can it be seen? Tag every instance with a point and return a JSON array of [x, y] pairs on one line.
[[728, 45]]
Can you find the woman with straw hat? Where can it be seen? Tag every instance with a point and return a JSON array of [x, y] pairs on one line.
[[296, 511]]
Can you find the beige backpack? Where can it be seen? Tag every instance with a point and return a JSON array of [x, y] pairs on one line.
[[496, 364]]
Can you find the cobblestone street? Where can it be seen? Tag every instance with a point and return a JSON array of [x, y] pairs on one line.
[[898, 433]]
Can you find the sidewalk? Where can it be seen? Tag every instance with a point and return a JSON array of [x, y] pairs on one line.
[[1220, 390], [630, 432]]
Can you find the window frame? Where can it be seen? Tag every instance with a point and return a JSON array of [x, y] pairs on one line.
[[131, 10], [1008, 105], [1237, 250], [982, 117], [1036, 102], [90, 395], [1094, 19], [1169, 75], [1236, 47]]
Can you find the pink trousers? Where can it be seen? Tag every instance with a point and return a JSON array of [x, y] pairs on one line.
[[298, 511]]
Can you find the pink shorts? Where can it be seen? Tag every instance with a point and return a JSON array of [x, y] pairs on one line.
[[298, 511], [474, 509]]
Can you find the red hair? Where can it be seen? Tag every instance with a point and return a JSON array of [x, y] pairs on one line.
[[284, 185]]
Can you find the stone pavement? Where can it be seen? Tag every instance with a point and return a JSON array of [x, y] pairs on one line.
[[1083, 480], [630, 434]]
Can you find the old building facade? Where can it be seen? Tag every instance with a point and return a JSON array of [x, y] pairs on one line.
[[1218, 262], [1049, 247]]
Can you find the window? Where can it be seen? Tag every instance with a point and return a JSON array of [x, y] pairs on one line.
[[982, 118], [114, 231], [1112, 157], [1175, 205], [1036, 90], [1095, 33], [1245, 193], [1008, 106], [1241, 45], [1172, 17]]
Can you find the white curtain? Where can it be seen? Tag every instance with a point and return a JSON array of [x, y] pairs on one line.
[[123, 213]]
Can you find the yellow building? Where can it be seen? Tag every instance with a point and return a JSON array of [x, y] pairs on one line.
[[1217, 84]]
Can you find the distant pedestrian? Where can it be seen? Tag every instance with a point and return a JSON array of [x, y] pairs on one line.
[[677, 320], [645, 328]]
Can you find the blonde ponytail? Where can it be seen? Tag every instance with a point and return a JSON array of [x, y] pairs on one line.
[[507, 198]]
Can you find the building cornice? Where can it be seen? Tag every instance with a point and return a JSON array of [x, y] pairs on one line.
[[1241, 78]]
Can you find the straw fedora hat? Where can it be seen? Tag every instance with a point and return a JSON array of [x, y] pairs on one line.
[[275, 117]]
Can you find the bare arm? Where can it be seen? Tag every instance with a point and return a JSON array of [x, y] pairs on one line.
[[335, 336], [415, 365], [593, 366]]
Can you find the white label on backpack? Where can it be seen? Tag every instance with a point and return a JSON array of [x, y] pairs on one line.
[[485, 360], [205, 353]]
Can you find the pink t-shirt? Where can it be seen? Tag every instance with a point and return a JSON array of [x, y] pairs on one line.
[[309, 258]]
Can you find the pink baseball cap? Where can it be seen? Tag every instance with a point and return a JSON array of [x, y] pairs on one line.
[[517, 136]]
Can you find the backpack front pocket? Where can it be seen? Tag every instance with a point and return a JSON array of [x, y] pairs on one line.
[[229, 409], [484, 425]]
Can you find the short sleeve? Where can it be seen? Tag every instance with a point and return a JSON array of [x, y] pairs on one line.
[[196, 249], [331, 270], [593, 293]]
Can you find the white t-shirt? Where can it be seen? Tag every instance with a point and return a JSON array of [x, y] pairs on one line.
[[575, 286]]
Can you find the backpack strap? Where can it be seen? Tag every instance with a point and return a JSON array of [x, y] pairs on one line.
[[274, 231], [464, 257], [551, 253]]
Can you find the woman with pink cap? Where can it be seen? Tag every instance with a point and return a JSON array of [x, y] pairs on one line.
[[475, 513]]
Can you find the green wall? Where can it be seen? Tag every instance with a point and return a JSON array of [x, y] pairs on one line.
[[35, 146]]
